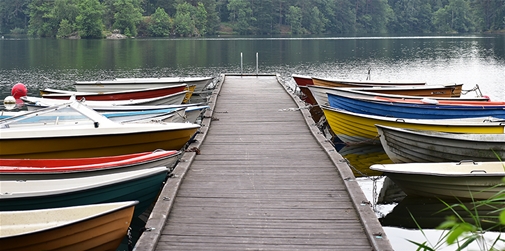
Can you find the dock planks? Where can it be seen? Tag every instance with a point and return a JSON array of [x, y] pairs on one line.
[[262, 181]]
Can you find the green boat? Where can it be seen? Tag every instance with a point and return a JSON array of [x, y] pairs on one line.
[[141, 185]]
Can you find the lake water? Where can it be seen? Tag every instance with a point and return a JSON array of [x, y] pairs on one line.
[[473, 60]]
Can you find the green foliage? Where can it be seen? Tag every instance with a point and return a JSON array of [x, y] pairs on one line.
[[66, 29], [461, 233], [127, 16], [454, 17], [201, 17], [89, 20], [317, 22], [42, 22], [160, 24], [294, 18], [13, 15], [241, 15], [183, 21]]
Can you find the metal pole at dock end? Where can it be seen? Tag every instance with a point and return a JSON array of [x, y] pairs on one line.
[[241, 63], [256, 63]]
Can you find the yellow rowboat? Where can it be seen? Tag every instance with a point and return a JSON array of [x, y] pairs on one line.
[[89, 227], [74, 130], [353, 127]]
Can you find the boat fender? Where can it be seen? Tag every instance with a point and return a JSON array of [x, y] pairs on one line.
[[429, 101]]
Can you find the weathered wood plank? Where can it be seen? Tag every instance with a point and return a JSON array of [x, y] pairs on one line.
[[262, 181]]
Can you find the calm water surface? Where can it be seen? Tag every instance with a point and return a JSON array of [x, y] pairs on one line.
[[477, 60]]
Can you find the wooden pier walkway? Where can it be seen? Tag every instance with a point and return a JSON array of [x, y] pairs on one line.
[[264, 179]]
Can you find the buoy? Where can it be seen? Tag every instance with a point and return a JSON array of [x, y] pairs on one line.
[[19, 90], [488, 98], [9, 102]]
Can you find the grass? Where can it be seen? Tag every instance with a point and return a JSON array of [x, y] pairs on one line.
[[460, 233]]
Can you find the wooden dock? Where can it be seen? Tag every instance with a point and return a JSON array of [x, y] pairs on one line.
[[265, 178]]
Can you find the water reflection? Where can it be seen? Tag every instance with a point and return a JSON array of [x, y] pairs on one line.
[[360, 157], [429, 213]]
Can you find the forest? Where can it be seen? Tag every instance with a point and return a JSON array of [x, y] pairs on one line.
[[194, 18]]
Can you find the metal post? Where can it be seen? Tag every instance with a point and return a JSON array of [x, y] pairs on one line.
[[256, 63], [241, 63]]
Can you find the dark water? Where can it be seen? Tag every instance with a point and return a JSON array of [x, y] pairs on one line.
[[476, 60]]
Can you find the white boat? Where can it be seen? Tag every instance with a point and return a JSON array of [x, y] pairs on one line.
[[122, 84], [89, 227], [409, 145], [75, 130], [172, 99], [184, 112], [462, 180]]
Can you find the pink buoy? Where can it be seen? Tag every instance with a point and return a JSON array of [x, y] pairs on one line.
[[19, 90]]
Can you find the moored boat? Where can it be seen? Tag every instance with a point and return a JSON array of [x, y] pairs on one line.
[[399, 88], [409, 145], [82, 132], [417, 110], [353, 127], [302, 80], [87, 227], [171, 99], [320, 95], [121, 84], [361, 83], [118, 95], [52, 192], [460, 180], [15, 169]]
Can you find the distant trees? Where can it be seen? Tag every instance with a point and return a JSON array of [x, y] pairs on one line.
[[94, 18], [89, 20], [160, 23]]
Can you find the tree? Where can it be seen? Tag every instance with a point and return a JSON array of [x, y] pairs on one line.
[[65, 30], [317, 22], [456, 16], [200, 18], [294, 19], [66, 12], [42, 22], [13, 14], [160, 24], [241, 15], [374, 15], [411, 16], [342, 16], [89, 21], [128, 15], [183, 22]]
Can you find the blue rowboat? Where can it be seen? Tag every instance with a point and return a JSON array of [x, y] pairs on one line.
[[414, 110]]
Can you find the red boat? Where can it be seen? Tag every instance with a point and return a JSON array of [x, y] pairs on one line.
[[133, 161], [302, 80], [119, 95]]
